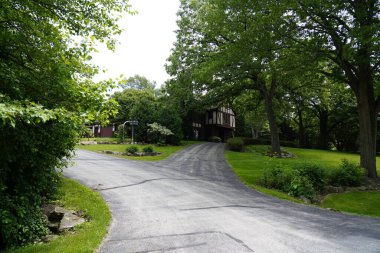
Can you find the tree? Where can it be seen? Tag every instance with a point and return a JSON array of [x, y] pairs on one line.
[[127, 99], [345, 33], [249, 106], [46, 95], [138, 82], [169, 117], [158, 133], [143, 111], [229, 48]]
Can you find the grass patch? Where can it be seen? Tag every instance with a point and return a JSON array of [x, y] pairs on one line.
[[275, 193], [367, 203], [101, 139], [250, 166], [165, 151], [86, 237]]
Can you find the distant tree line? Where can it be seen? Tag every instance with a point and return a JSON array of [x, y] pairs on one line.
[[140, 100]]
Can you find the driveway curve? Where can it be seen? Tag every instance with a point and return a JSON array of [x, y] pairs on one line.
[[193, 202]]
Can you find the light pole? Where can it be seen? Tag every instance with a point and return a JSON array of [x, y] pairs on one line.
[[133, 123]]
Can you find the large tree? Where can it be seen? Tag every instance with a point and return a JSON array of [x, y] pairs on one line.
[[346, 33], [46, 95], [230, 47]]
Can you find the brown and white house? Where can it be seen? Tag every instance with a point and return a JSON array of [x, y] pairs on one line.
[[213, 122], [99, 131]]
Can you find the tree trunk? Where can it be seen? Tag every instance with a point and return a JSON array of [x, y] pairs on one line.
[[275, 139], [301, 130], [323, 129], [368, 129]]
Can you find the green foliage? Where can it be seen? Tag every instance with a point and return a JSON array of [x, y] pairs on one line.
[[157, 133], [170, 118], [315, 174], [143, 112], [127, 100], [31, 159], [347, 174], [148, 149], [297, 182], [46, 96], [88, 236], [235, 144], [138, 82], [301, 187], [216, 139], [276, 178], [21, 223], [120, 133], [132, 149], [225, 52]]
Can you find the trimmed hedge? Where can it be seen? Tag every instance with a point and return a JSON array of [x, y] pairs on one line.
[[235, 144]]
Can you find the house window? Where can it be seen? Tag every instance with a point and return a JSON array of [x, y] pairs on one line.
[[226, 119], [210, 114]]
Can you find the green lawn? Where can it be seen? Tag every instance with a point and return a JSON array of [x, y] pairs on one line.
[[165, 151], [88, 236], [355, 202], [102, 139], [250, 165]]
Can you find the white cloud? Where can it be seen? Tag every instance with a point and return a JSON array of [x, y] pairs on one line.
[[144, 45]]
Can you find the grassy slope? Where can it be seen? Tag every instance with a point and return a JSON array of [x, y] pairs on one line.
[[249, 166], [86, 237], [165, 150], [355, 202]]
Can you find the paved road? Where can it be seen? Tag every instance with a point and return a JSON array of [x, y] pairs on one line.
[[193, 202]]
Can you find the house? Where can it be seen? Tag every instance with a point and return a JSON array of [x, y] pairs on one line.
[[99, 131], [213, 122]]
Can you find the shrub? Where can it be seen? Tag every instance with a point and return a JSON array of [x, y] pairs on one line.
[[314, 174], [235, 144], [158, 133], [302, 186], [347, 174], [161, 143], [148, 149], [30, 161], [215, 139], [132, 149], [119, 133], [276, 178], [248, 140]]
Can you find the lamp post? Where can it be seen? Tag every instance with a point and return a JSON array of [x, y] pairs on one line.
[[133, 123]]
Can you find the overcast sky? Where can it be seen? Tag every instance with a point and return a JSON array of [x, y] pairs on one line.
[[144, 45]]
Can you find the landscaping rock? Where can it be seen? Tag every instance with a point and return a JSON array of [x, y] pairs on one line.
[[305, 200], [69, 221], [88, 143], [335, 189], [49, 238], [53, 212], [110, 152], [53, 226], [60, 219], [284, 154]]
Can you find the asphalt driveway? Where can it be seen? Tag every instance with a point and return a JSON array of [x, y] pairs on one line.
[[193, 202]]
